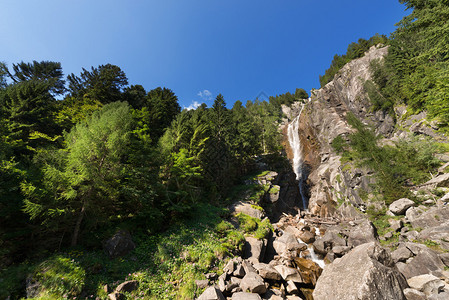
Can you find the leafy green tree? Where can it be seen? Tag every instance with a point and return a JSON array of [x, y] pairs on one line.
[[84, 180], [104, 84], [163, 106], [28, 104]]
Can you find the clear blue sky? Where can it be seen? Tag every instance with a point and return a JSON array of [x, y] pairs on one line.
[[239, 48]]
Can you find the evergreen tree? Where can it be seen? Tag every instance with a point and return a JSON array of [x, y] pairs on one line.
[[84, 180], [104, 84]]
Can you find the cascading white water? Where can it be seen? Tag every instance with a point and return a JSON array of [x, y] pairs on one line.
[[313, 256], [295, 145]]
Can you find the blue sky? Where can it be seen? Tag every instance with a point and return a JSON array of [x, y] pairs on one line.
[[197, 48]]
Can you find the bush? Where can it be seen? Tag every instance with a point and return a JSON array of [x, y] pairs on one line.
[[61, 277]]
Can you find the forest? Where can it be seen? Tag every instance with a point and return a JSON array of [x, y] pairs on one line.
[[84, 155]]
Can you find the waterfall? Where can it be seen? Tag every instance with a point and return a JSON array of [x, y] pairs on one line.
[[295, 145]]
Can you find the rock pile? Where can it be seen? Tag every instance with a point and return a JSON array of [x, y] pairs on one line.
[[275, 268]]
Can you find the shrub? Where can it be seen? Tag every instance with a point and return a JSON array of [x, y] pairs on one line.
[[61, 276]]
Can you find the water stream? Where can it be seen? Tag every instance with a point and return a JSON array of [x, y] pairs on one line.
[[295, 145]]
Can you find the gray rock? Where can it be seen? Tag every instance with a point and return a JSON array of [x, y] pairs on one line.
[[366, 272], [412, 294], [396, 225], [239, 271], [319, 247], [306, 236], [401, 254], [127, 286], [292, 288], [222, 282], [248, 267], [287, 242], [230, 267], [273, 294], [444, 258], [441, 296], [267, 272], [419, 282], [426, 261], [400, 206], [254, 248], [245, 296], [32, 287], [288, 273], [201, 284], [439, 181], [116, 296], [247, 209], [253, 283], [438, 234], [363, 233], [340, 250], [119, 244], [211, 293]]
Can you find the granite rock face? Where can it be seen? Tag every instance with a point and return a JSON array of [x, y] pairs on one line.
[[323, 119], [367, 272]]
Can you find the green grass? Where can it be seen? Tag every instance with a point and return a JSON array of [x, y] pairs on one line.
[[166, 264], [253, 226]]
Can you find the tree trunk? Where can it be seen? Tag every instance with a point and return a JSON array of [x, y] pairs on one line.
[[77, 227]]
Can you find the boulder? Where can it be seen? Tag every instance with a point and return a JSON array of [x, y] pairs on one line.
[[438, 234], [273, 295], [288, 273], [426, 283], [364, 232], [253, 283], [292, 288], [116, 296], [254, 248], [306, 236], [412, 294], [247, 209], [245, 296], [399, 207], [201, 284], [248, 267], [267, 272], [401, 254], [340, 250], [229, 267], [119, 244], [211, 293], [439, 181], [127, 286], [433, 217], [366, 272], [333, 237], [426, 261], [239, 271], [396, 225], [287, 242], [309, 270]]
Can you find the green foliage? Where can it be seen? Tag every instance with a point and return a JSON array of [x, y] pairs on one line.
[[60, 277], [28, 104], [84, 179], [355, 50], [408, 162], [288, 99], [415, 70], [338, 144], [260, 229], [104, 84]]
